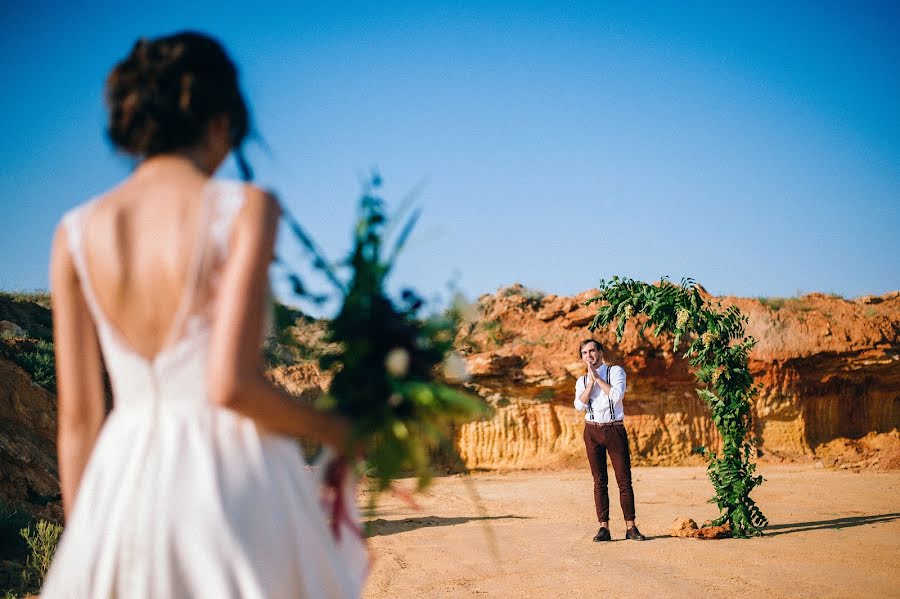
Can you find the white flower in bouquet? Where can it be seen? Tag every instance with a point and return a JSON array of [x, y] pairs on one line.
[[467, 311], [455, 369], [397, 362]]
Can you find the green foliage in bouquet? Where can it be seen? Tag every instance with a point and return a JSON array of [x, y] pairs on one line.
[[719, 353], [394, 369]]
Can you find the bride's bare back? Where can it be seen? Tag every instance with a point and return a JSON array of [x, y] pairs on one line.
[[142, 240]]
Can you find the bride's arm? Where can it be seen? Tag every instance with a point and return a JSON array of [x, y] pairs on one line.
[[235, 375], [79, 382]]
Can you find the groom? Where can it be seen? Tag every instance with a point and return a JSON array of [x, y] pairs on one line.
[[599, 393]]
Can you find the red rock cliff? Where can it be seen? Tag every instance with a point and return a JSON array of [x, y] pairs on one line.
[[829, 370]]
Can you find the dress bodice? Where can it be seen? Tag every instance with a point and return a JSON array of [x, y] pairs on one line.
[[184, 498], [178, 371]]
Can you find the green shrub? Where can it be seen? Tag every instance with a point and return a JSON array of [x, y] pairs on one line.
[[40, 363], [546, 395], [39, 297], [31, 311], [294, 337], [795, 304], [534, 297], [41, 540], [773, 303], [531, 298], [494, 331]]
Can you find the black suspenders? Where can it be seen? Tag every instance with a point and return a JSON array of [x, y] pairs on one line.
[[590, 410], [612, 413]]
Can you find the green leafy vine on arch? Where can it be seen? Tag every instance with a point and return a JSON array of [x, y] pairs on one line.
[[718, 352]]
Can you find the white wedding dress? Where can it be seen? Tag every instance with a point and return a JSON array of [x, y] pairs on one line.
[[181, 498]]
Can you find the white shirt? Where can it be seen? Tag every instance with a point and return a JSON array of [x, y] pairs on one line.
[[600, 405]]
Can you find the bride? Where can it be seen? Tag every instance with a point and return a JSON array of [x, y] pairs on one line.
[[193, 485]]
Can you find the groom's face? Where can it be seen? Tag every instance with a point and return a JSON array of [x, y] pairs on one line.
[[591, 355]]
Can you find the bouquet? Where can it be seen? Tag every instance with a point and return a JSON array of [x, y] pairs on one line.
[[397, 378]]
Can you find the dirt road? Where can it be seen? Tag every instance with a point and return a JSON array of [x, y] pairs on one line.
[[832, 534]]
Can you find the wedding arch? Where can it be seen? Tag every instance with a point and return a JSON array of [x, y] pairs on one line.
[[718, 353]]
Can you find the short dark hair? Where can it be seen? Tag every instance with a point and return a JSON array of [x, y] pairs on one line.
[[162, 96], [586, 341]]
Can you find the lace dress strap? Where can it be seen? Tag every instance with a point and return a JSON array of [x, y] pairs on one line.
[[229, 200], [73, 222]]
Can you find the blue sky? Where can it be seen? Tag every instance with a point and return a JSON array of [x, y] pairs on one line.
[[752, 146]]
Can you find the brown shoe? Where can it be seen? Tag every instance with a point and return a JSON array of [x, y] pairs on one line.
[[602, 535], [634, 534]]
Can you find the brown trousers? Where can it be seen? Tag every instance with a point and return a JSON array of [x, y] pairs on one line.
[[598, 440]]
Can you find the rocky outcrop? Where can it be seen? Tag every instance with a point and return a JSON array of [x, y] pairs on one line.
[[829, 369], [686, 528], [29, 479]]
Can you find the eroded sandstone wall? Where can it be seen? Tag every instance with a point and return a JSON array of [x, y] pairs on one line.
[[828, 369]]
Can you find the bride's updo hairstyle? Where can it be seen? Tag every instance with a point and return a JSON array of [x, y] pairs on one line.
[[162, 96]]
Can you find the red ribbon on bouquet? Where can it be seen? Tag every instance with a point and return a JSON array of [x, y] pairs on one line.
[[336, 473]]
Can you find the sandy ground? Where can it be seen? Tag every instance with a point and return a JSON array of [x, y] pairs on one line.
[[831, 534]]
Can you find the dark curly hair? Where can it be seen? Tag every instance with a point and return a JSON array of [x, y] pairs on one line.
[[162, 96]]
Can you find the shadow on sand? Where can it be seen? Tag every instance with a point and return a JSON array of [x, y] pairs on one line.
[[774, 530], [380, 527]]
